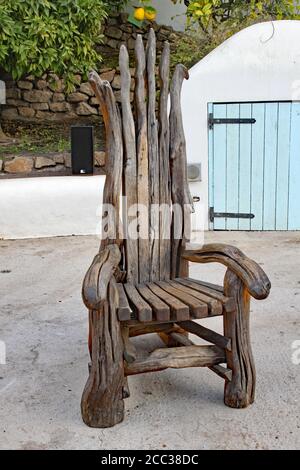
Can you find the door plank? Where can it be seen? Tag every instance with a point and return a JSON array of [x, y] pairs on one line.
[[211, 167], [232, 167], [283, 161], [271, 136], [294, 193], [257, 174], [219, 163], [245, 166]]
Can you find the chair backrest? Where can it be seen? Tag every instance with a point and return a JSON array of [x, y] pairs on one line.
[[146, 163]]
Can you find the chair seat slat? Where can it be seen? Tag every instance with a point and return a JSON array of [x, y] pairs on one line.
[[198, 308], [179, 310], [215, 307], [228, 303], [139, 305], [160, 308], [124, 310]]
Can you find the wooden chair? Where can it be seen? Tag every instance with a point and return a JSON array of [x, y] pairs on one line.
[[140, 286]]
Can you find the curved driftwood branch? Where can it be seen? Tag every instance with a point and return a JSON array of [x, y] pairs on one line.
[[142, 158], [164, 165], [130, 167], [177, 358], [95, 284], [247, 270], [240, 390], [102, 403], [180, 192], [153, 159], [111, 231]]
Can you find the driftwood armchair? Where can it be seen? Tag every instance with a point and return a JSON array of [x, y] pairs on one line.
[[138, 283]]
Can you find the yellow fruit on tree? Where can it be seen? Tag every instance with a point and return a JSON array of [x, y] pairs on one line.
[[139, 14], [150, 15]]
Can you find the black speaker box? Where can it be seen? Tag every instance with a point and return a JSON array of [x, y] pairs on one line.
[[82, 150]]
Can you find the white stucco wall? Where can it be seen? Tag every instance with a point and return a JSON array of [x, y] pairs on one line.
[[261, 63], [168, 13], [50, 206]]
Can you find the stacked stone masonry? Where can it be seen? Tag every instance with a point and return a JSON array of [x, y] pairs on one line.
[[43, 164], [44, 99]]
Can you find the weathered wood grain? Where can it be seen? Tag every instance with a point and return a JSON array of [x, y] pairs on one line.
[[98, 276], [138, 304], [227, 302], [206, 334], [164, 167], [146, 162], [181, 339], [129, 353], [179, 310], [197, 308], [215, 307], [250, 273], [111, 226], [213, 286], [139, 329], [240, 391], [124, 310], [102, 400], [130, 170], [179, 184], [142, 161], [160, 309], [154, 238], [177, 358], [222, 372]]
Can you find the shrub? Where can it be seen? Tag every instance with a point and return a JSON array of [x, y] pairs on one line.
[[48, 35]]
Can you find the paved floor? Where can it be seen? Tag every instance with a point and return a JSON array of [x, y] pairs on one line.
[[44, 326]]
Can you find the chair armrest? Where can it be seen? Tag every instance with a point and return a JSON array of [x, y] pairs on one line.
[[251, 274], [95, 284]]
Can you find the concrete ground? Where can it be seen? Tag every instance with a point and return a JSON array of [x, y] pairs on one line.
[[44, 325]]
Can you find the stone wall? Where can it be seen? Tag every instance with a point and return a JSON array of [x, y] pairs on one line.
[[44, 99], [40, 165]]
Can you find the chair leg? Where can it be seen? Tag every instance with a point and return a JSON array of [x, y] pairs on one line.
[[102, 404], [240, 391]]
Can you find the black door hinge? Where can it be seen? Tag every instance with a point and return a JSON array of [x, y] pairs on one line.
[[212, 121], [228, 215]]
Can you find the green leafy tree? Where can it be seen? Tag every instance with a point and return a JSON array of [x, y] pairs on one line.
[[47, 35], [209, 14], [211, 22]]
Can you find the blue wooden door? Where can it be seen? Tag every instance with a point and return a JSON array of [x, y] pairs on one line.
[[255, 168]]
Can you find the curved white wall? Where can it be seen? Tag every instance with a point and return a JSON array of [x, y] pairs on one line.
[[50, 206], [260, 63]]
